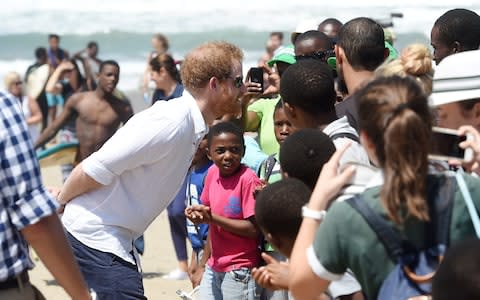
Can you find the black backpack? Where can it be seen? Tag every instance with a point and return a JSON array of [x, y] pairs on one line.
[[414, 268]]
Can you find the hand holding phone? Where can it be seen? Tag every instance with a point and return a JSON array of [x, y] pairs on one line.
[[256, 76], [446, 145]]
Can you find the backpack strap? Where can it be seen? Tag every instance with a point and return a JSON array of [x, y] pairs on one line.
[[388, 235], [468, 202], [268, 164], [440, 203], [440, 198], [347, 135]]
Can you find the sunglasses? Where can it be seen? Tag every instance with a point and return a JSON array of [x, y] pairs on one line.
[[18, 82], [320, 55], [237, 81]]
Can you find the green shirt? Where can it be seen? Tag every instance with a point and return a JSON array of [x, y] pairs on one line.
[[264, 108], [345, 240]]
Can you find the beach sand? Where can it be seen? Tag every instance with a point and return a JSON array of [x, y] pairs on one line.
[[159, 258]]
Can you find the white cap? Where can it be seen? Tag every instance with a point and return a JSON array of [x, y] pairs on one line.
[[457, 78]]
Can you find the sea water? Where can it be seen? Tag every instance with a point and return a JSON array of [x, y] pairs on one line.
[[124, 28]]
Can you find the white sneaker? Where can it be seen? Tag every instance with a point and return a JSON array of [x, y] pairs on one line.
[[176, 274]]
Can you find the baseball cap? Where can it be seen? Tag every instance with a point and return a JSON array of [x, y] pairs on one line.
[[457, 78], [284, 54], [393, 53]]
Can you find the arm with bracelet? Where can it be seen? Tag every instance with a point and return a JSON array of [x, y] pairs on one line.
[[304, 284]]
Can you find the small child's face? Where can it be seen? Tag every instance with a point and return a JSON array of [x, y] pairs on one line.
[[226, 151], [282, 126], [201, 152]]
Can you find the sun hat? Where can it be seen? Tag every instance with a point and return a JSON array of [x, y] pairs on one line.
[[284, 54], [457, 78]]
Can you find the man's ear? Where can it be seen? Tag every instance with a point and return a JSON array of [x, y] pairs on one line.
[[476, 115], [213, 83], [339, 54], [386, 53]]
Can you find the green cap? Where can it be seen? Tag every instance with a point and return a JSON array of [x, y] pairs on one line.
[[332, 61], [283, 54], [393, 52]]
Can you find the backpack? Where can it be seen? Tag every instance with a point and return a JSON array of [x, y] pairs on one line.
[[414, 269], [347, 135], [268, 165]]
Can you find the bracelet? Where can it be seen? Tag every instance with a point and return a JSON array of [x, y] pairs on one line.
[[317, 215]]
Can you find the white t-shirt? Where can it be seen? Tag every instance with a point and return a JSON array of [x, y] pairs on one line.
[[33, 129], [355, 153], [142, 167]]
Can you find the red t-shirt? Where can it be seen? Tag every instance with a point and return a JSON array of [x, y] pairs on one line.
[[231, 197]]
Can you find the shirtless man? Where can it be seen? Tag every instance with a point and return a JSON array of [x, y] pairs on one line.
[[99, 113]]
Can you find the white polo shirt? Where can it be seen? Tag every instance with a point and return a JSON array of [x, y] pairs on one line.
[[142, 167]]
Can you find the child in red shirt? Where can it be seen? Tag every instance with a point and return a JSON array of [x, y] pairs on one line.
[[229, 208]]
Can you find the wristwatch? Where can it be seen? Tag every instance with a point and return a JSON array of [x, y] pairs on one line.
[[313, 214]]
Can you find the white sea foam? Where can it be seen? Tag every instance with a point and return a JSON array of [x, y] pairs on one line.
[[123, 28], [93, 16]]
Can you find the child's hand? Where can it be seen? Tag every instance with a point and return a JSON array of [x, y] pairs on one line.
[[195, 274], [198, 214], [273, 81], [273, 276], [259, 188]]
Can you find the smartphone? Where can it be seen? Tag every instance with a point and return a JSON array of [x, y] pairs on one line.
[[256, 75], [445, 145]]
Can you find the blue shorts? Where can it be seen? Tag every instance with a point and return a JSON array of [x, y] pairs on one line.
[[110, 276], [54, 100]]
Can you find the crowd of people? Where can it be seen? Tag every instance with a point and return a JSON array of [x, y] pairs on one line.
[[318, 183]]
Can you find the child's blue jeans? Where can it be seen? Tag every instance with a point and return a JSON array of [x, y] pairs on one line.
[[234, 285]]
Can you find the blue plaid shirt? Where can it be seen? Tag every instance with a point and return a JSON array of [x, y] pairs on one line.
[[24, 200]]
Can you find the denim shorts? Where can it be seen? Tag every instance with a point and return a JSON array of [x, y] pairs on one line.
[[233, 285]]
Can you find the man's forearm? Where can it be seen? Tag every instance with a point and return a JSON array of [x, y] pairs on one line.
[[48, 239], [48, 134], [78, 183]]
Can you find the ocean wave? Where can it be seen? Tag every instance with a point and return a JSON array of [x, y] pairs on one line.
[[147, 16]]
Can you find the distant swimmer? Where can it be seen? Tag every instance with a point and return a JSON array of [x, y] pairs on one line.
[[99, 113]]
